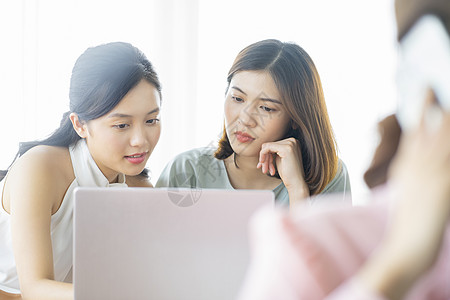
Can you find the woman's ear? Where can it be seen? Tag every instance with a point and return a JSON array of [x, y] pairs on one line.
[[78, 125]]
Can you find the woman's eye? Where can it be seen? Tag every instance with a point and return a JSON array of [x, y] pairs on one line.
[[152, 121], [268, 109], [121, 126], [237, 99]]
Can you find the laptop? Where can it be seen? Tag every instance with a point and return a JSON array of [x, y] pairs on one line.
[[165, 244]]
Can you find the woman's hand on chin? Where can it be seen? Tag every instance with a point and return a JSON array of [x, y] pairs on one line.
[[285, 157]]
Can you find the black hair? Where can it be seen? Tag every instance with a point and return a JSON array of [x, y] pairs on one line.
[[101, 77]]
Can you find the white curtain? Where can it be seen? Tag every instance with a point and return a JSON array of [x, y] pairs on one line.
[[192, 44]]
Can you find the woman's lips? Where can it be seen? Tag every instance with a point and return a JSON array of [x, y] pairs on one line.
[[137, 158], [243, 137]]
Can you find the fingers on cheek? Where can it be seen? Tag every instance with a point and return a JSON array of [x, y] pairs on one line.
[[265, 149], [262, 156], [271, 166], [272, 169], [267, 164], [263, 162]]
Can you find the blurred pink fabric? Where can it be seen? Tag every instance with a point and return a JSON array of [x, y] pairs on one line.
[[314, 252]]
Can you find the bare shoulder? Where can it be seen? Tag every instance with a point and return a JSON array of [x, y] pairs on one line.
[[47, 160], [138, 181], [43, 172]]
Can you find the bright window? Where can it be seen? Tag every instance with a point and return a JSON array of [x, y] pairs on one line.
[[192, 44]]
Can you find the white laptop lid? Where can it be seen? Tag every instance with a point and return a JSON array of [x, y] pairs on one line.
[[143, 243]]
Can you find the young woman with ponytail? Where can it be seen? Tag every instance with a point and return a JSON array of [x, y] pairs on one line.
[[104, 140]]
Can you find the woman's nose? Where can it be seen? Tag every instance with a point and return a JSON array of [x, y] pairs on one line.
[[138, 137], [247, 116]]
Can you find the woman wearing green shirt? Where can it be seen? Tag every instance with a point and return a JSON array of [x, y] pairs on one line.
[[277, 132]]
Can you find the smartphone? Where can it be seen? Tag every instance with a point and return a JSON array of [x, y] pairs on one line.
[[424, 63]]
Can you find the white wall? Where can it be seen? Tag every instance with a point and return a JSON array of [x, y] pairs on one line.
[[192, 45]]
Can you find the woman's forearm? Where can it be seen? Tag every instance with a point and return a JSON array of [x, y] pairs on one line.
[[46, 289]]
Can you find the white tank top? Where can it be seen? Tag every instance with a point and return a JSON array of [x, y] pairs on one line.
[[87, 174]]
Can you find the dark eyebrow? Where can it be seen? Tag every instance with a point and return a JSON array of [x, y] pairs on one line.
[[263, 99], [119, 115], [236, 88], [271, 100]]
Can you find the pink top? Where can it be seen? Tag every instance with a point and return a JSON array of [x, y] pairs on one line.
[[313, 253], [353, 290]]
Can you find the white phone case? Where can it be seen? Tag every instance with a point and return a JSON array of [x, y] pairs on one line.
[[424, 63]]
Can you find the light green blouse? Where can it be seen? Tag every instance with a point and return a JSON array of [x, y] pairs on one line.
[[200, 169]]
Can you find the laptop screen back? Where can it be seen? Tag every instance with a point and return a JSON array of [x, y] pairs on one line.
[[139, 243]]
